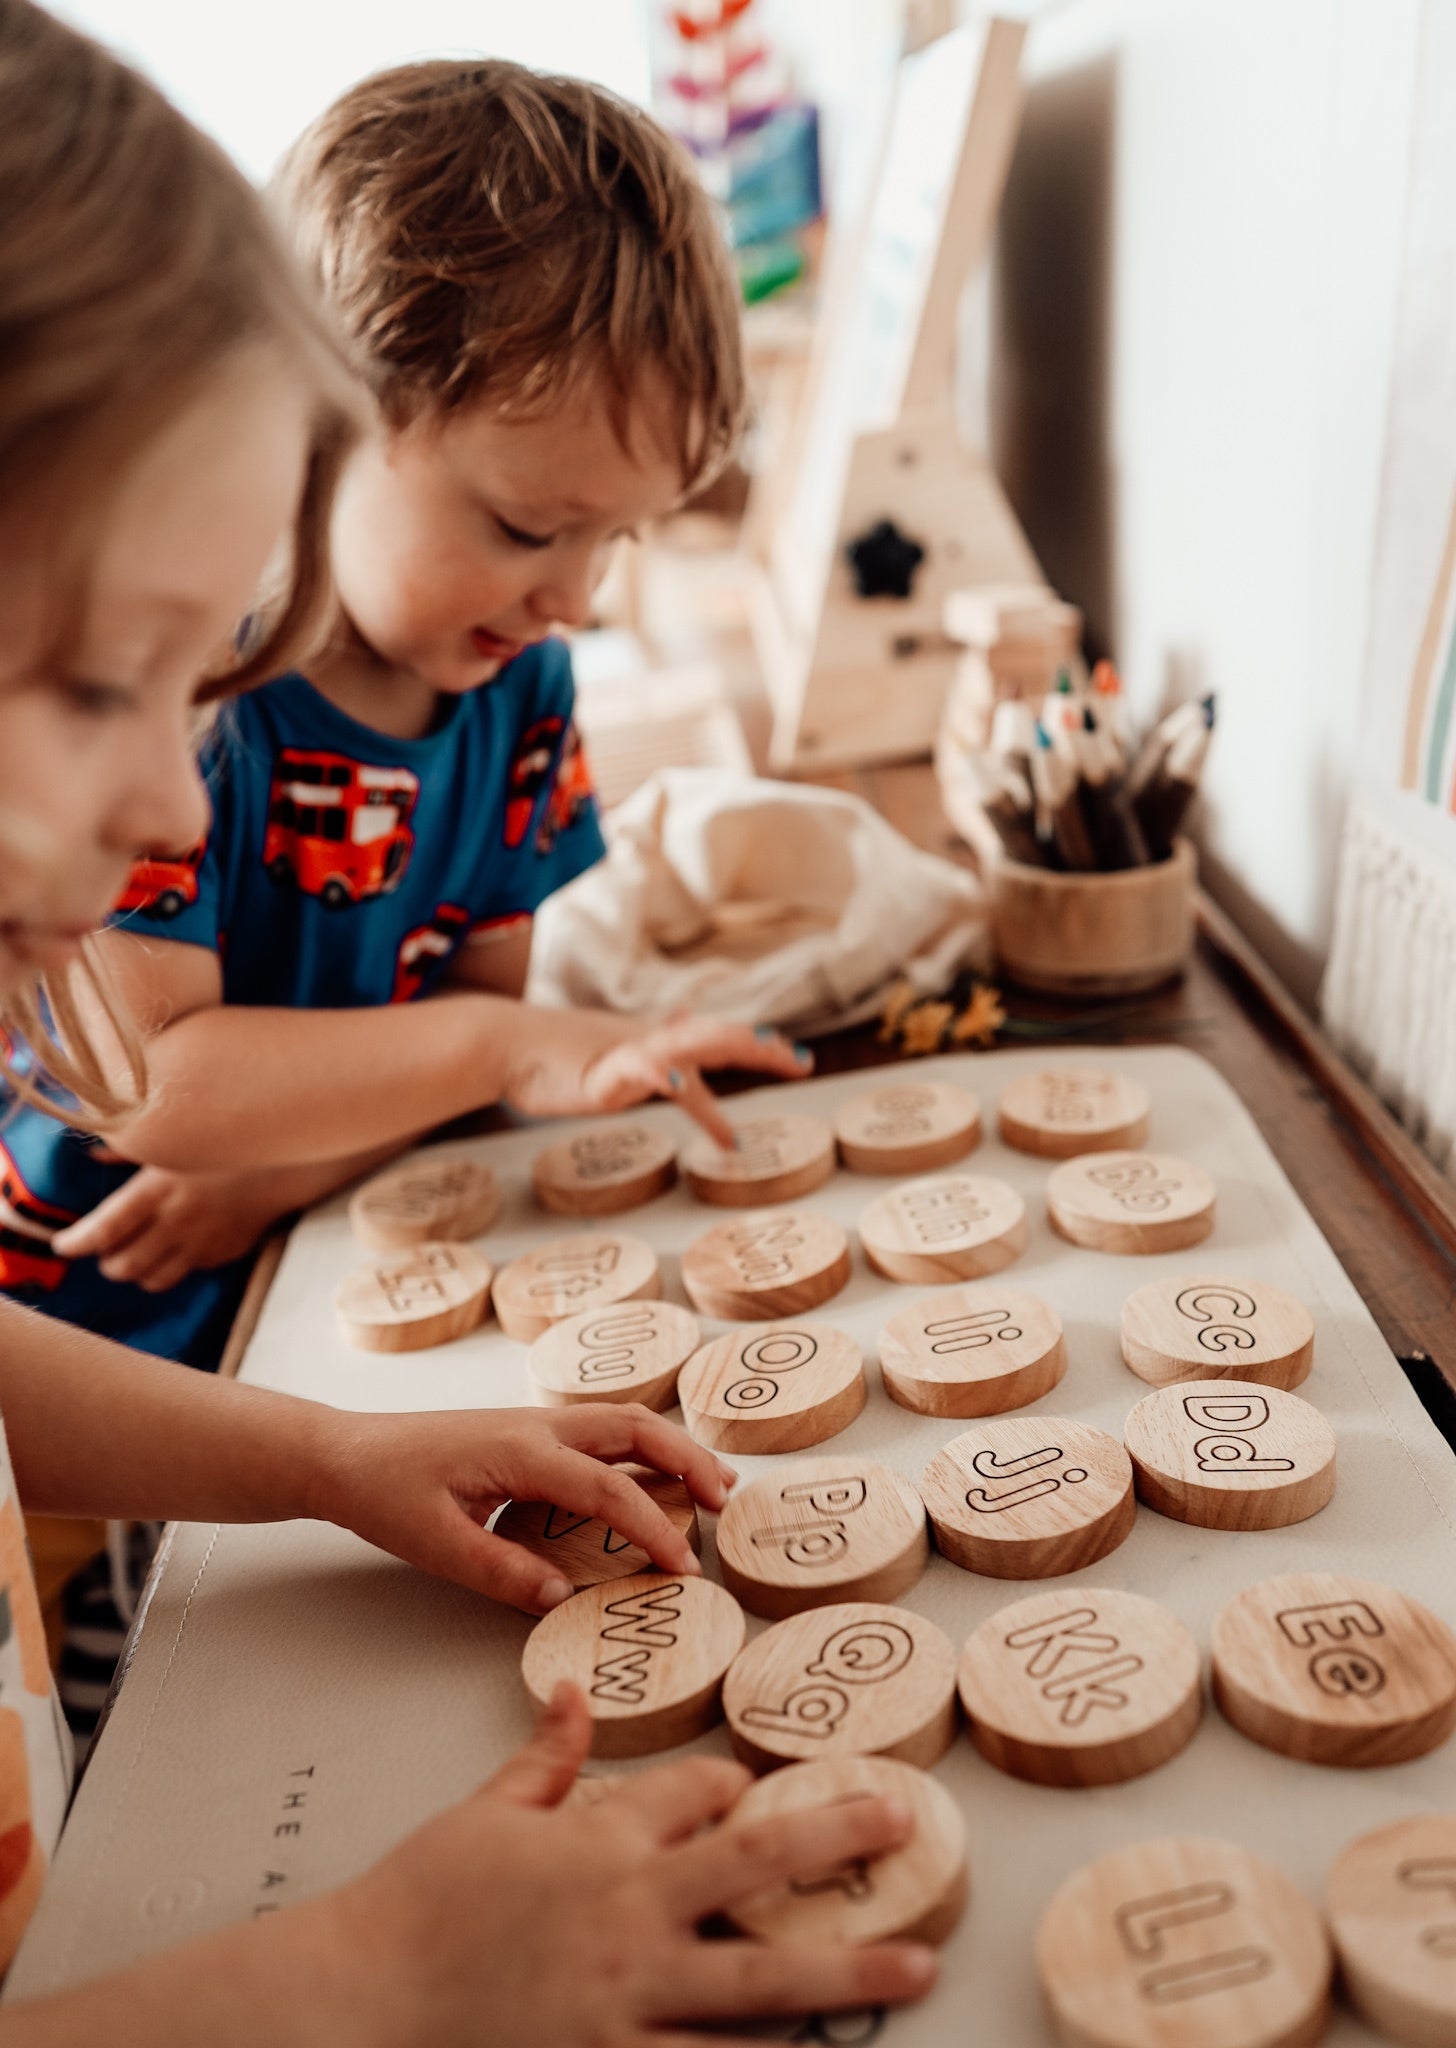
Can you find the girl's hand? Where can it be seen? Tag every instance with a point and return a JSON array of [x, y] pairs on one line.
[[421, 1486], [521, 1920], [587, 1064]]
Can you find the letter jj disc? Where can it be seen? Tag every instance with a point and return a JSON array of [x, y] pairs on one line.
[[1029, 1496], [1335, 1670], [857, 1680]]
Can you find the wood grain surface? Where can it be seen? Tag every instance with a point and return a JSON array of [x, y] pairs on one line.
[[1195, 1327], [1136, 1202], [908, 1127], [601, 1172], [586, 1551], [629, 1351], [768, 1263], [1029, 1496], [954, 1226], [411, 1300], [569, 1275], [972, 1351], [1390, 1900], [1229, 1454], [1064, 1111], [778, 1158], [773, 1388], [829, 1529], [431, 1199]]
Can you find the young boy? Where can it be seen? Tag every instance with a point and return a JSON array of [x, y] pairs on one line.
[[541, 305]]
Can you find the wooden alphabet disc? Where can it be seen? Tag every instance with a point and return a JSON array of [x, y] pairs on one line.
[[1189, 1328], [1066, 1111], [972, 1351], [775, 1389], [780, 1156], [1391, 1903], [1227, 1454], [1184, 1943], [953, 1226], [649, 1652], [908, 1127], [916, 1892], [570, 1275], [1029, 1497], [1131, 1202], [586, 1551], [1082, 1686], [828, 1530], [603, 1171], [412, 1299], [862, 1680], [426, 1200], [769, 1262], [631, 1351], [1335, 1670]]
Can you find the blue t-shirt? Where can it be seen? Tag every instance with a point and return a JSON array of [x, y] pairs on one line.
[[342, 869]]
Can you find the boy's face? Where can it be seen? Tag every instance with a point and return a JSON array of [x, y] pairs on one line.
[[459, 540]]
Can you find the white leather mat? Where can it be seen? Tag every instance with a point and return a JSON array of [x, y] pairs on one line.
[[297, 1701]]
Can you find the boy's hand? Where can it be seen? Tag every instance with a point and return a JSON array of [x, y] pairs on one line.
[[589, 1064], [479, 1910], [422, 1486], [160, 1226]]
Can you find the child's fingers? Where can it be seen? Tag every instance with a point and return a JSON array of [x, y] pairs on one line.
[[746, 1979], [692, 1093], [170, 1272], [583, 1486], [153, 1246], [454, 1547], [544, 1771], [110, 1225], [749, 1856], [711, 1042], [675, 1800], [622, 1432]]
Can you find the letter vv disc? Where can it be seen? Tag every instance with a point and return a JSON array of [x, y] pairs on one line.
[[1184, 1943], [821, 1531], [649, 1652], [1227, 1454], [1335, 1670], [860, 1680], [1083, 1686]]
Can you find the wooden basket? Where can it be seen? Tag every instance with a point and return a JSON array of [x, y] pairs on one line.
[[1093, 935]]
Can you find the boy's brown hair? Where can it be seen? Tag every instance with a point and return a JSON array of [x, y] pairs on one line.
[[491, 235]]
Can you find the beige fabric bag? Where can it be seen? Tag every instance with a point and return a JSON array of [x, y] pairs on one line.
[[769, 902]]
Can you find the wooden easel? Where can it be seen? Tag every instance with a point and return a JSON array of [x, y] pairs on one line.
[[855, 679]]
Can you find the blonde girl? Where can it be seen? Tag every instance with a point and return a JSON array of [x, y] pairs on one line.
[[171, 413]]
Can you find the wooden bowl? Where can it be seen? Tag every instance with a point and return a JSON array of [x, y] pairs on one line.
[[1093, 935]]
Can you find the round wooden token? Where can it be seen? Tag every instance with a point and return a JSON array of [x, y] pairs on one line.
[[586, 1551], [1190, 1328], [425, 1201], [827, 1530], [770, 1262], [631, 1351], [861, 1680], [1081, 1686], [1391, 1904], [569, 1276], [775, 1389], [1029, 1497], [954, 1226], [916, 1892], [603, 1171], [779, 1156], [649, 1652], [1065, 1111], [972, 1351], [908, 1127], [1227, 1454], [1131, 1202], [1335, 1670], [413, 1299], [1184, 1943]]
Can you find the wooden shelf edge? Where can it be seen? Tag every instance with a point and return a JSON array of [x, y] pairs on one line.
[[1418, 1179]]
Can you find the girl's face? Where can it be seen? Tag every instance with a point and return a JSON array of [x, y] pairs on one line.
[[96, 753]]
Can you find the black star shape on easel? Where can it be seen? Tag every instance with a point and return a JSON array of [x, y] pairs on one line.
[[884, 561]]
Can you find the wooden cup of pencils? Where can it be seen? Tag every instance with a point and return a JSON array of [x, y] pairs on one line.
[[1091, 884]]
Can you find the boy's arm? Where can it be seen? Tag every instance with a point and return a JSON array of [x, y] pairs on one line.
[[240, 1087], [500, 966]]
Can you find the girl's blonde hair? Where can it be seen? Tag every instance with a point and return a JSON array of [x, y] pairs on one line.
[[136, 262]]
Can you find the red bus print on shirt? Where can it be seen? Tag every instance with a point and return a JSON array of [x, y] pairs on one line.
[[571, 793], [338, 829], [530, 767], [163, 885], [26, 1227], [424, 947]]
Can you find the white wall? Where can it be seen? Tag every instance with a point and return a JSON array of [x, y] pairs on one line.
[[255, 74], [1200, 253]]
